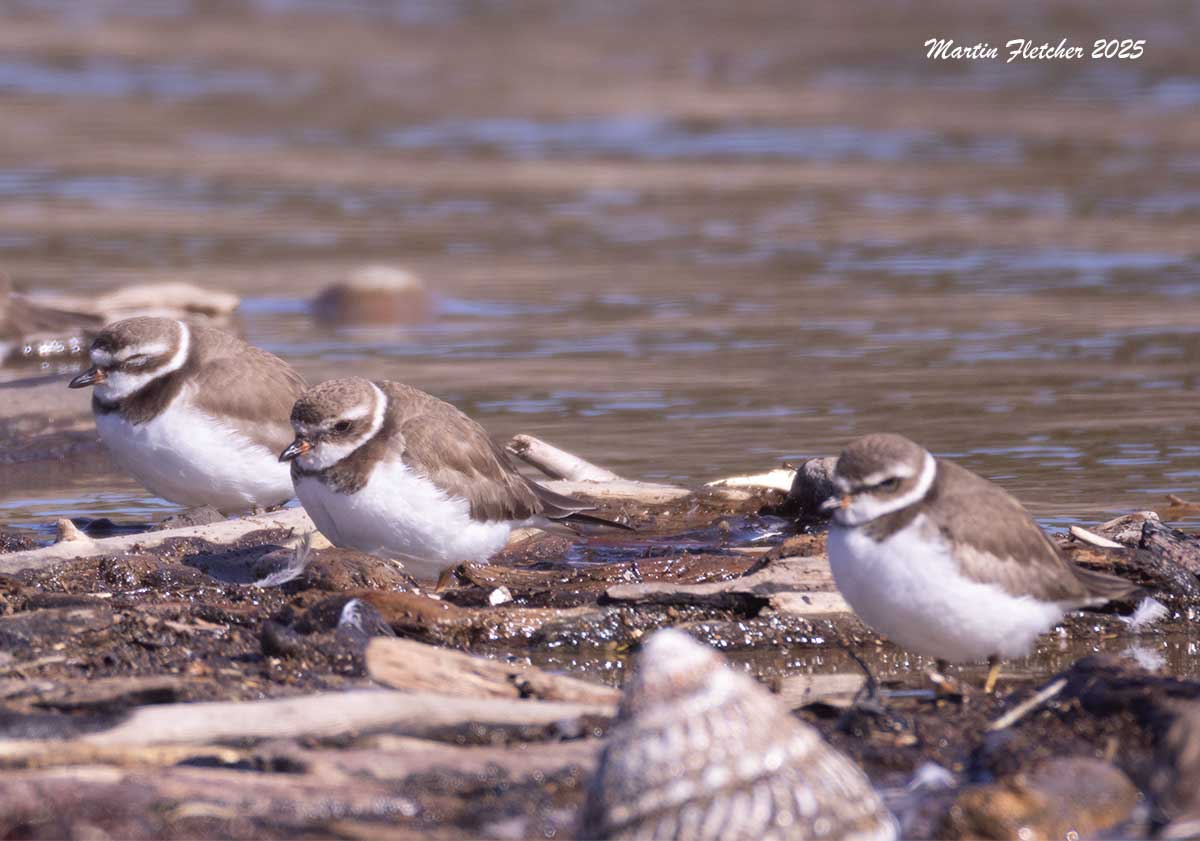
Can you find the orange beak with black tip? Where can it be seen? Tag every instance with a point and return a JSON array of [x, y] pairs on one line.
[[295, 449], [91, 376], [836, 502]]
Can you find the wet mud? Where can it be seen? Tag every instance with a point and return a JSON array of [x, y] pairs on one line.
[[91, 643]]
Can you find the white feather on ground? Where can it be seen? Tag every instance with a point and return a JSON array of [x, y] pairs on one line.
[[293, 569], [1147, 613]]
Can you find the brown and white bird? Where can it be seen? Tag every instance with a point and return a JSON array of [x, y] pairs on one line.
[[390, 470], [944, 562], [196, 415]]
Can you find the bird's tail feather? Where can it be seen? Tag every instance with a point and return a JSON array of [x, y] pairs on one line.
[[579, 518]]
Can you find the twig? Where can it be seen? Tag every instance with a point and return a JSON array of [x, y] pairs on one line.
[[1025, 707]]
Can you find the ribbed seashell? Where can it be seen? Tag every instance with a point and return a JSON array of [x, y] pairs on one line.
[[700, 751]]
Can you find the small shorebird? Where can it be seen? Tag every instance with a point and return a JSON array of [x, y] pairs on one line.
[[196, 415], [390, 470], [944, 562]]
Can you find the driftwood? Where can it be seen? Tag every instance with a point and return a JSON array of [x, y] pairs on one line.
[[377, 788], [1125, 530], [556, 463], [387, 757], [193, 802], [331, 714], [1179, 507], [1168, 559], [169, 300], [644, 492], [790, 585], [781, 479], [412, 666], [838, 689], [1172, 546], [382, 756], [575, 475]]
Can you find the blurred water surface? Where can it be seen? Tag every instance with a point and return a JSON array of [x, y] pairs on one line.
[[682, 239]]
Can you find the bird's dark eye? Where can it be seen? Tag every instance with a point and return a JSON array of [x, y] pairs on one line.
[[889, 484], [138, 361], [342, 426]]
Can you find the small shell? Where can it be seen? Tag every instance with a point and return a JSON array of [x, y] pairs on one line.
[[700, 751]]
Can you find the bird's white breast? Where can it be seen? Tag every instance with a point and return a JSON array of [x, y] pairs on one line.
[[191, 458], [400, 514], [909, 588]]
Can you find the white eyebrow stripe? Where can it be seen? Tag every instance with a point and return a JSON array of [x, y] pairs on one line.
[[900, 471], [154, 349], [358, 412], [181, 354], [380, 410], [865, 507]]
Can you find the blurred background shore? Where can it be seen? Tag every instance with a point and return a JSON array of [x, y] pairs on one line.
[[681, 239]]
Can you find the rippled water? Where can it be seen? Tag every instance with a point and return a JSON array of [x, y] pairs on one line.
[[734, 240]]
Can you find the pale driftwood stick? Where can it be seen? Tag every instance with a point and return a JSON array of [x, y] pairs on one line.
[[810, 604], [800, 586], [169, 299], [644, 492], [131, 802], [388, 757], [556, 463], [835, 689], [1086, 536], [1025, 707], [382, 757], [23, 753], [413, 666], [780, 478], [225, 531], [330, 714], [574, 475]]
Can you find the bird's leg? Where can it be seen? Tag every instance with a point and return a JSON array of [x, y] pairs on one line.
[[868, 711], [867, 697], [993, 673], [868, 693]]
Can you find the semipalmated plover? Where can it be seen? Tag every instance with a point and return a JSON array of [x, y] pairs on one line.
[[942, 561], [196, 415], [390, 470]]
